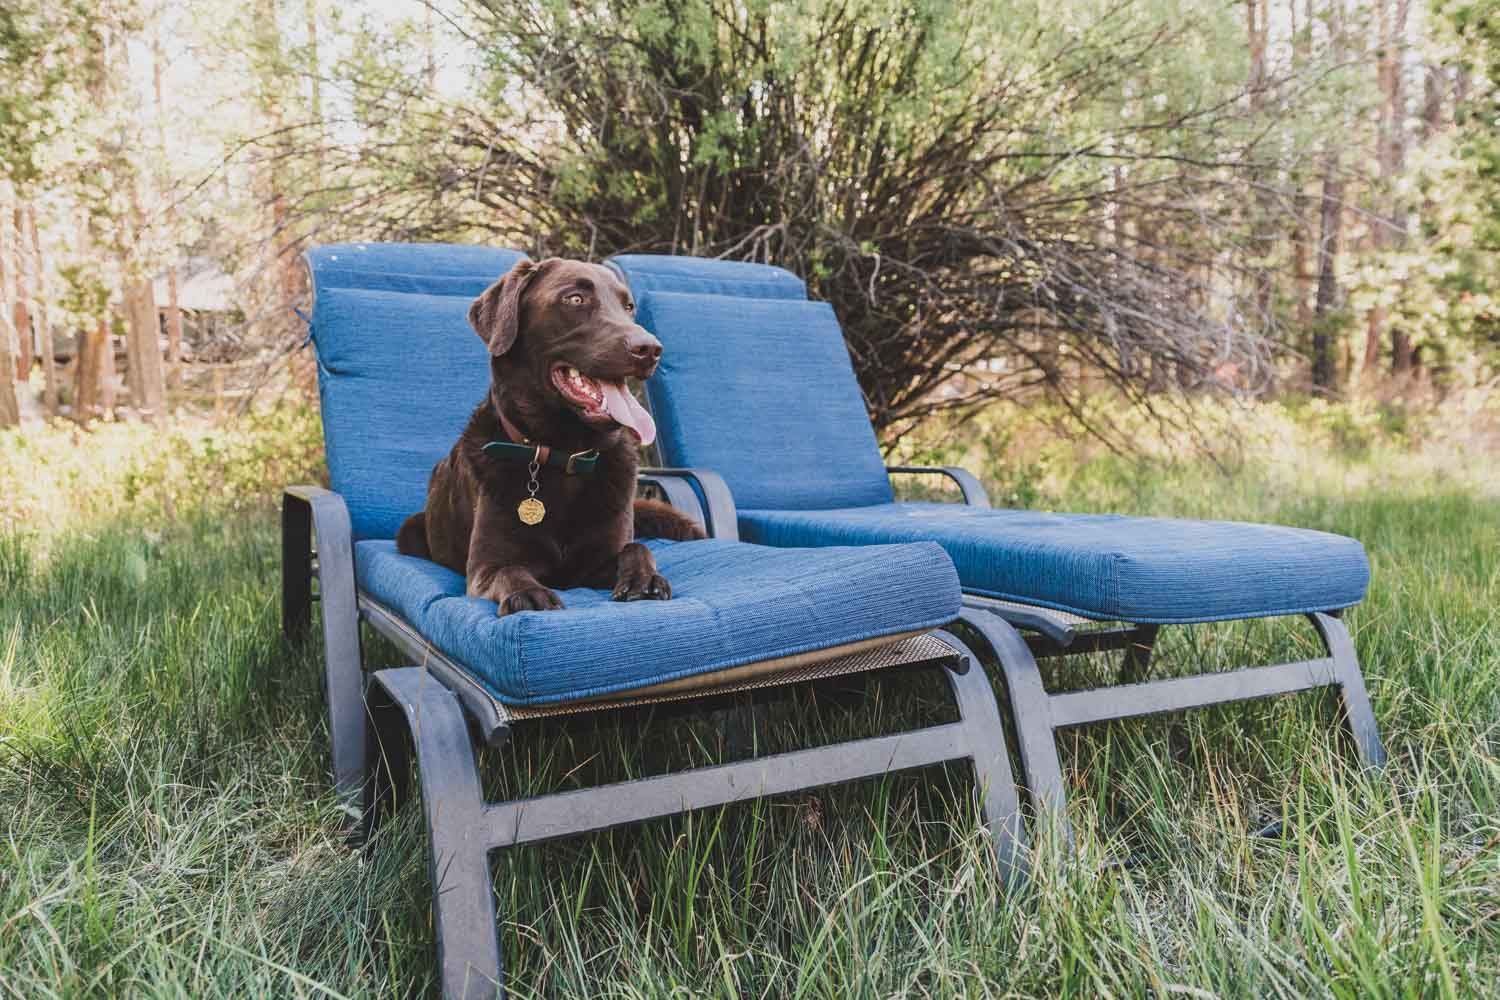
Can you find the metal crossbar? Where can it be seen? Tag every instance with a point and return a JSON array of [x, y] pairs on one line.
[[1125, 701]]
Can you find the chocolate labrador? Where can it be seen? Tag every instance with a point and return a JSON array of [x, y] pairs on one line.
[[539, 491]]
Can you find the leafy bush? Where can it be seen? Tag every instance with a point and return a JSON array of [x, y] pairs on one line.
[[60, 477]]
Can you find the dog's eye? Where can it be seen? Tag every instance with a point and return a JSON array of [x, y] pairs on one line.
[[575, 299]]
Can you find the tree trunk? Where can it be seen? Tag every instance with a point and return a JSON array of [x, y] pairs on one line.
[[1374, 323], [1302, 279], [1262, 235], [108, 370], [1391, 156], [1433, 85], [1330, 229], [143, 350], [174, 330], [93, 346], [21, 266], [87, 356], [10, 344], [129, 308], [47, 352], [281, 282], [143, 371], [174, 310], [1401, 351], [94, 390]]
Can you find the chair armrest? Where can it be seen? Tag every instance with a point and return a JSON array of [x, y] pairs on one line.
[[679, 493], [306, 510], [723, 521], [972, 488]]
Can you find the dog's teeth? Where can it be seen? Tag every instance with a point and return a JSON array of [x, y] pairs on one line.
[[572, 373]]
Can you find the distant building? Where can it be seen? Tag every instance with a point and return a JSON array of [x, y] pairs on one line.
[[210, 313]]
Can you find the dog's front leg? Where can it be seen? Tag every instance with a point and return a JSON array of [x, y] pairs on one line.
[[504, 569], [512, 588], [636, 578]]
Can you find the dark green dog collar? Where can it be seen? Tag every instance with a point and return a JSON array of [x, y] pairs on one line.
[[580, 463]]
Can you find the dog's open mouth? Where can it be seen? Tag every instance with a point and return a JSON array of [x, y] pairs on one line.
[[603, 402]]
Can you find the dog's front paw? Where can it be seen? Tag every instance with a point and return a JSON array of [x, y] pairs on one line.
[[646, 585], [530, 599]]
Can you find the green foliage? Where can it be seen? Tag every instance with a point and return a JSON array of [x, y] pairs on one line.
[[1477, 26], [1036, 183], [223, 470], [1442, 286], [39, 44], [56, 477]]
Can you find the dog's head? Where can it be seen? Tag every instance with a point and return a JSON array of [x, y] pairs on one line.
[[563, 338]]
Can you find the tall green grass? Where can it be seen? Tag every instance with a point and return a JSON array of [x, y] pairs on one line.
[[166, 827]]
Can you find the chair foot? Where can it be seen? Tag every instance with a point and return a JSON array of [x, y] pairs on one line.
[[995, 782], [1358, 714], [387, 781], [463, 895], [296, 568], [1032, 713]]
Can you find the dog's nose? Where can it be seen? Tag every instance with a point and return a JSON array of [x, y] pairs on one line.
[[643, 347]]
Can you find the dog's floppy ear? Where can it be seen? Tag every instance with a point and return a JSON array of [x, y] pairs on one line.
[[496, 314]]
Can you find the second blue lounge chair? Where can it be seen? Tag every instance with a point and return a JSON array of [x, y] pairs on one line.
[[757, 387]]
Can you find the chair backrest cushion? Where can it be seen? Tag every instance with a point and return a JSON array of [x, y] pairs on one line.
[[762, 391], [399, 368], [648, 272]]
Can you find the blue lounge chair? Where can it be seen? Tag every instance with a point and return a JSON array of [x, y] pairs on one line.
[[757, 385], [399, 370]]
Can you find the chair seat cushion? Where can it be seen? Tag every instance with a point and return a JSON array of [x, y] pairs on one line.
[[1102, 566], [732, 604]]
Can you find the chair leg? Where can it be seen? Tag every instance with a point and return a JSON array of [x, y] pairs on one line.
[[388, 772], [1357, 711], [468, 942], [1032, 712], [1138, 654], [1038, 714], [995, 782], [344, 682], [296, 568]]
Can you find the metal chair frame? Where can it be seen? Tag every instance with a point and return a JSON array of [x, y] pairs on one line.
[[434, 715]]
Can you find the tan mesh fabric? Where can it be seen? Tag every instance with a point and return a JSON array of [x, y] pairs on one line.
[[875, 654]]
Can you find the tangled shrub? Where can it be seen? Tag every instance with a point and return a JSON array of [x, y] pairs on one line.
[[59, 477]]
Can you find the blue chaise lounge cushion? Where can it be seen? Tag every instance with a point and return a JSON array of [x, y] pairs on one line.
[[1103, 566], [732, 604], [649, 272], [762, 391], [399, 368]]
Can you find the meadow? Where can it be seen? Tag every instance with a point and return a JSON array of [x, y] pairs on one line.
[[167, 829]]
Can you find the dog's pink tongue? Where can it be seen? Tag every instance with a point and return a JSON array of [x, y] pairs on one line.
[[625, 411]]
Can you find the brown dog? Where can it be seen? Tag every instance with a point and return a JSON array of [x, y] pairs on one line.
[[562, 339]]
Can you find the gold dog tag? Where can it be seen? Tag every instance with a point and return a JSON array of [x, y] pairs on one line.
[[531, 511]]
